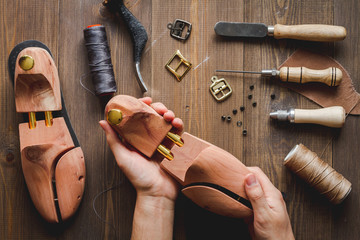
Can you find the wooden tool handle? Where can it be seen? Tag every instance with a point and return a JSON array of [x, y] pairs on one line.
[[310, 32], [330, 117], [331, 76]]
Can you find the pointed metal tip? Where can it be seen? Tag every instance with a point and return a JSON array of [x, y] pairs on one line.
[[273, 115], [139, 78]]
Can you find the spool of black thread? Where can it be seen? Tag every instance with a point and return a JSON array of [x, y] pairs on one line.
[[99, 57]]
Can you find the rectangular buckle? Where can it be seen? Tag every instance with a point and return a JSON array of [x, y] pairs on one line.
[[177, 28], [220, 88], [188, 65]]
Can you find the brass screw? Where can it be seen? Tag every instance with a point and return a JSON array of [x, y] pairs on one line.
[[165, 152], [175, 138], [26, 62], [114, 116], [48, 118], [32, 120]]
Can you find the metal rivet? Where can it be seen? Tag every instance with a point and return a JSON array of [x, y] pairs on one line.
[[229, 118], [242, 108], [251, 87], [114, 116], [244, 132], [239, 123], [223, 117], [26, 62], [254, 104], [250, 96], [234, 111], [272, 96]]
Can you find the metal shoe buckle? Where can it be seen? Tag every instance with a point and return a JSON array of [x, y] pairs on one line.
[[220, 88], [188, 65], [177, 28]]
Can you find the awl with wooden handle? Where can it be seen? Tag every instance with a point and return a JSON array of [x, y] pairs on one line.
[[330, 76], [330, 116], [308, 32]]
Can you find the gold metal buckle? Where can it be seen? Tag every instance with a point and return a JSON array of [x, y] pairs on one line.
[[177, 28], [220, 88], [188, 65]]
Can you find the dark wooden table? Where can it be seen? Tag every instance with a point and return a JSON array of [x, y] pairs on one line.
[[59, 25]]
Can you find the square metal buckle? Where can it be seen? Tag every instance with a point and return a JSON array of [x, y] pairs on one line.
[[177, 28], [188, 65], [220, 88]]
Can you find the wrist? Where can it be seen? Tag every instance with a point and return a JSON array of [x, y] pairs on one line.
[[155, 203], [153, 218]]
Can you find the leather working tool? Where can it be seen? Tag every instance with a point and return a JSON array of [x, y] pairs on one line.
[[137, 32], [308, 32], [210, 176], [51, 157], [330, 116], [331, 76]]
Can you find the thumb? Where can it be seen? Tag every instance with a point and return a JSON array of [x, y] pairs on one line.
[[120, 152], [256, 195]]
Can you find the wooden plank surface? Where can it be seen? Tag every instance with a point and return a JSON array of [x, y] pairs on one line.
[[59, 25]]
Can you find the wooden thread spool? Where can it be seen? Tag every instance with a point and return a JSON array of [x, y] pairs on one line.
[[320, 175]]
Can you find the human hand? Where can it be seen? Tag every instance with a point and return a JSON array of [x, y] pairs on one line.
[[270, 220], [146, 175]]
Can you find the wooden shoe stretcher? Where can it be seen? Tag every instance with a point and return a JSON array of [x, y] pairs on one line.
[[210, 176], [51, 157]]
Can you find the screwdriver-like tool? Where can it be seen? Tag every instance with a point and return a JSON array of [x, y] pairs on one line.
[[330, 116], [330, 76]]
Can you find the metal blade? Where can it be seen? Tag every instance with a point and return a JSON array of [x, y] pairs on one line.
[[234, 29]]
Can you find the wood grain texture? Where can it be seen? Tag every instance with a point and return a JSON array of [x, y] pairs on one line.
[[345, 146], [141, 126], [330, 117], [201, 162], [42, 149], [59, 25], [331, 76], [37, 89], [310, 32]]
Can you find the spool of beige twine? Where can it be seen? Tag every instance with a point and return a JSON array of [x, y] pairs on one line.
[[320, 175]]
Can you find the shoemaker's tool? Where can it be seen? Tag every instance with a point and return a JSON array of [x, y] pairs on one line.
[[318, 174], [331, 76], [99, 57], [136, 119], [330, 116], [220, 88], [51, 157], [181, 61], [308, 32], [137, 31], [178, 28], [210, 176]]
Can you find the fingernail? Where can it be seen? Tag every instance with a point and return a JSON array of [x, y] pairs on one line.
[[251, 180], [101, 125]]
